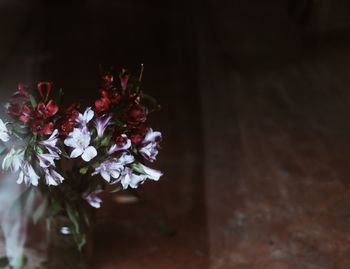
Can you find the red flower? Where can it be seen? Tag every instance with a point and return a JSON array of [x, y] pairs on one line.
[[41, 128], [108, 80], [21, 93], [102, 105], [136, 115], [47, 111], [138, 133], [26, 114], [116, 97], [65, 126], [124, 78], [44, 89], [22, 111]]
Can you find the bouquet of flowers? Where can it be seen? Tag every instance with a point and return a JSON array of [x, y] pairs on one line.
[[71, 155]]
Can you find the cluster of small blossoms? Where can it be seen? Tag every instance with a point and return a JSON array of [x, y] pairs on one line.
[[111, 140]]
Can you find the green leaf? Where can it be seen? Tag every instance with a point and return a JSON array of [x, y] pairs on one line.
[[74, 218], [95, 165], [119, 188], [4, 262], [20, 129], [105, 141], [55, 208], [3, 148], [32, 101], [84, 170], [137, 168]]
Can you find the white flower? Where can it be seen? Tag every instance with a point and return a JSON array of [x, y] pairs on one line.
[[149, 145], [124, 144], [28, 175], [51, 143], [84, 119], [14, 160], [4, 132], [93, 199], [80, 139], [110, 168], [113, 168], [52, 177], [47, 159], [126, 158], [151, 173], [130, 179]]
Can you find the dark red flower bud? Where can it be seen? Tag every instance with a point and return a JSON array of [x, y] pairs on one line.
[[21, 93], [136, 115], [104, 93], [108, 79], [44, 89], [124, 78], [116, 97], [26, 114], [102, 105], [138, 133]]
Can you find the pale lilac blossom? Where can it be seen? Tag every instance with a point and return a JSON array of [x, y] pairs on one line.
[[101, 124], [47, 159], [84, 119], [4, 132], [151, 173], [129, 179], [80, 139], [132, 180], [52, 177], [28, 175], [92, 198], [113, 168], [14, 159], [51, 143], [150, 144]]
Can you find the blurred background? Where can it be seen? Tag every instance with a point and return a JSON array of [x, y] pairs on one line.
[[255, 109]]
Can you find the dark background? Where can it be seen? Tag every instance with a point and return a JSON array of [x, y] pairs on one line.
[[254, 116]]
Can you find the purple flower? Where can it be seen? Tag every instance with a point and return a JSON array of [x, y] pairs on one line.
[[124, 144], [149, 145], [52, 177], [92, 198], [51, 143], [47, 159], [109, 169], [113, 168], [84, 119], [28, 175], [101, 124], [129, 179], [80, 139]]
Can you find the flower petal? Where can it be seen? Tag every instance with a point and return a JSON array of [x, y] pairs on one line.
[[76, 152], [89, 154]]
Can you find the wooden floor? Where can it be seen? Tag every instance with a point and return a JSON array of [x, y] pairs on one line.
[[256, 146]]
